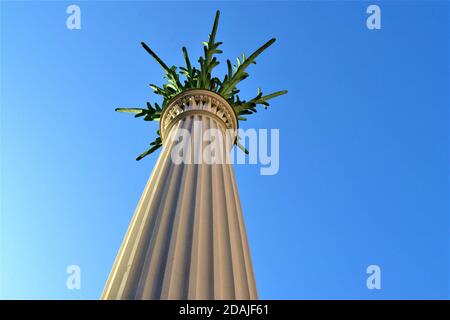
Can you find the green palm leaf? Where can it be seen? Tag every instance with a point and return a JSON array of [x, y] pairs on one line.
[[203, 78]]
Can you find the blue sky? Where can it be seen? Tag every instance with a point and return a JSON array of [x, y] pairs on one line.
[[364, 141]]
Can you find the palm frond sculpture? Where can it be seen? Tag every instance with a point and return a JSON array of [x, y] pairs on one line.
[[202, 78]]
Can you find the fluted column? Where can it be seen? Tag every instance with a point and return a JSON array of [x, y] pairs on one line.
[[187, 238]]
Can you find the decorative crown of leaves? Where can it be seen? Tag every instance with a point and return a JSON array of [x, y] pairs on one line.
[[202, 79]]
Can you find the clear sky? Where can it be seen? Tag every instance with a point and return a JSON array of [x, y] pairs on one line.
[[364, 141]]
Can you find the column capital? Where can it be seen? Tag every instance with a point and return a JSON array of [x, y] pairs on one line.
[[197, 101]]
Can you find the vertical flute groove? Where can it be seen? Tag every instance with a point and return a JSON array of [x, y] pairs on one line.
[[175, 286], [248, 262], [223, 262], [156, 256], [236, 241]]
